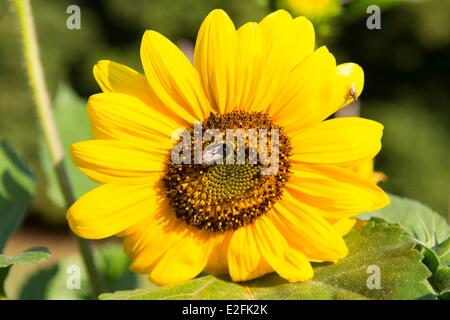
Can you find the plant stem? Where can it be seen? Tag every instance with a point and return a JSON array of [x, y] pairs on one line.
[[41, 98]]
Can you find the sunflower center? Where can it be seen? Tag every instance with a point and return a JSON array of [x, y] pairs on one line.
[[240, 168], [226, 182]]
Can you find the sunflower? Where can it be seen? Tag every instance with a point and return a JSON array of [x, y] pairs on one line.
[[177, 220]]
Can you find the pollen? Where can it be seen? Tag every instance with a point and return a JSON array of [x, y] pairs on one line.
[[220, 197]]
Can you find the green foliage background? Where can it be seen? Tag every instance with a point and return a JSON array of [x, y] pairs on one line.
[[406, 65]]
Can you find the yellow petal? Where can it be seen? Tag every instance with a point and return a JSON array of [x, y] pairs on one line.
[[286, 43], [244, 258], [342, 226], [115, 77], [365, 169], [146, 242], [350, 82], [115, 161], [308, 96], [307, 232], [173, 80], [160, 216], [122, 117], [218, 260], [304, 39], [249, 64], [343, 141], [110, 209], [183, 261], [215, 59], [290, 264], [337, 192]]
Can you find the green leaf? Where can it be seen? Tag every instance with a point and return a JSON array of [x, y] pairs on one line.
[[31, 256], [73, 125], [16, 189], [441, 279], [443, 251], [418, 220], [445, 295], [430, 259], [50, 283], [375, 244], [428, 228]]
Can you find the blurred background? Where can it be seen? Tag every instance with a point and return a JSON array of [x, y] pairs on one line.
[[406, 64]]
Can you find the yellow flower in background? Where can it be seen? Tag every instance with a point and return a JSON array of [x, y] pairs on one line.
[[313, 9], [177, 220]]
